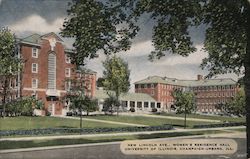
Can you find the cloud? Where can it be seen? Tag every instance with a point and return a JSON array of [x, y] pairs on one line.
[[0, 2], [36, 23], [194, 58], [12, 11]]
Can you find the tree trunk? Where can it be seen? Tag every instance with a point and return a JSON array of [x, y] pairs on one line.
[[247, 80]]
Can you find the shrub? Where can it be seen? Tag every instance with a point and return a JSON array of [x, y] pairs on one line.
[[154, 110], [132, 109], [48, 113], [83, 131], [220, 125]]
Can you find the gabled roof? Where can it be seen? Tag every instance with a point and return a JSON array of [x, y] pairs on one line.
[[34, 39], [103, 94], [190, 83], [52, 34]]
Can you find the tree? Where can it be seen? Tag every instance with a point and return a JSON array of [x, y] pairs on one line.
[[184, 103], [90, 105], [23, 106], [77, 101], [116, 77], [99, 82], [9, 64], [236, 106], [226, 34], [94, 28], [76, 93], [110, 103]]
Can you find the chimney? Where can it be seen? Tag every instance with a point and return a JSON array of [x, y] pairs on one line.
[[199, 77]]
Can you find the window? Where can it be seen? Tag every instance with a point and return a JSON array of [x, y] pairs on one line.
[[67, 85], [34, 52], [158, 105], [34, 83], [67, 59], [145, 104], [67, 72], [34, 67], [152, 104], [51, 71]]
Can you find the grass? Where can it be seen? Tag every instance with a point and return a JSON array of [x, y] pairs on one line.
[[85, 140], [26, 123], [147, 120], [221, 118]]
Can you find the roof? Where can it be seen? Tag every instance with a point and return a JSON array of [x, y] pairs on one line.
[[190, 83], [54, 35], [34, 38], [103, 94], [86, 70]]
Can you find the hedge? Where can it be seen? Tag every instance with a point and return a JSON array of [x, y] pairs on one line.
[[82, 131], [220, 125]]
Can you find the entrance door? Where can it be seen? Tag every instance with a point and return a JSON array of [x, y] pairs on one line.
[[52, 108]]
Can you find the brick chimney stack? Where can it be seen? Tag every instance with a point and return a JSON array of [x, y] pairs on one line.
[[199, 77]]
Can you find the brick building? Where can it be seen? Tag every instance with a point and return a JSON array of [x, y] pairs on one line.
[[208, 92], [46, 70]]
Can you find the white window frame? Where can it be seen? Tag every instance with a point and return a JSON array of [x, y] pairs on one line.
[[36, 83], [36, 67], [34, 53], [67, 59], [69, 72]]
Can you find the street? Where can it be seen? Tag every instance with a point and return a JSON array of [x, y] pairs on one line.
[[112, 151]]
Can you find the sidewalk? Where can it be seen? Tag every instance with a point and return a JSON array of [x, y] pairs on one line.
[[115, 134], [102, 121], [176, 118]]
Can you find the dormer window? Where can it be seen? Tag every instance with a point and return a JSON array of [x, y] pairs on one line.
[[34, 52]]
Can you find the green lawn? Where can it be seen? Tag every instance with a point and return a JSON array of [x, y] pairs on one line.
[[85, 140], [221, 118], [25, 123], [147, 120]]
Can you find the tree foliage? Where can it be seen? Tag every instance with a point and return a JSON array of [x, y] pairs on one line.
[[110, 103], [99, 82], [23, 106], [236, 106], [9, 64], [184, 102], [116, 75], [76, 93], [93, 25]]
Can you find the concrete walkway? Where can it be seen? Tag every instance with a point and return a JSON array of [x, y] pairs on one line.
[[176, 118], [115, 134], [101, 121]]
